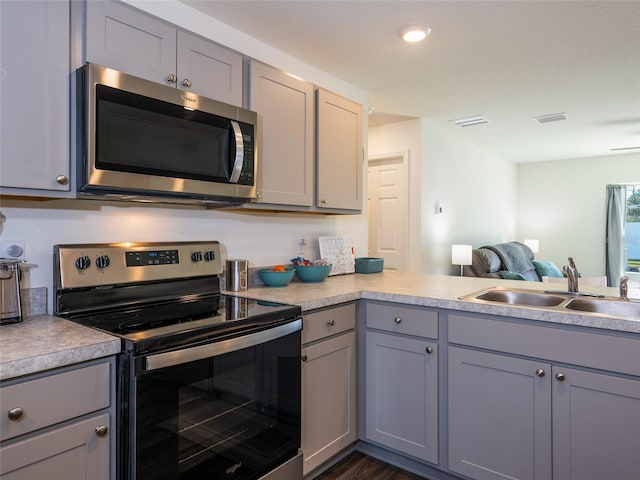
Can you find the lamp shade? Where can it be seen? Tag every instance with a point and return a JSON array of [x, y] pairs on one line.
[[461, 254], [534, 245]]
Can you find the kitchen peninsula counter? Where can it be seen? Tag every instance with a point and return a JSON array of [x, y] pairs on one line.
[[437, 291], [44, 342]]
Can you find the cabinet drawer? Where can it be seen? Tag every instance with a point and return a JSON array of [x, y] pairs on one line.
[[602, 351], [328, 322], [50, 400], [402, 319]]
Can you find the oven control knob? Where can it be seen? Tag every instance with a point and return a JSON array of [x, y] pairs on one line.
[[103, 261], [196, 256], [209, 255], [82, 263]]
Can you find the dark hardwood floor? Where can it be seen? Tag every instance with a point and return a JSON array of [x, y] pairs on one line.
[[358, 466]]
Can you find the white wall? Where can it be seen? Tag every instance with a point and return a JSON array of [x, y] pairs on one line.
[[476, 189], [263, 238], [563, 204]]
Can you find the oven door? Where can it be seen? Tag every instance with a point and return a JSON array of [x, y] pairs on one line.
[[229, 409]]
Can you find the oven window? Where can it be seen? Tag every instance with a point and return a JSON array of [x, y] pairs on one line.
[[234, 416], [142, 135]]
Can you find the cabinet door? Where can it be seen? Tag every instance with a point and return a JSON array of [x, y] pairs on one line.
[[34, 95], [207, 69], [596, 426], [499, 416], [122, 38], [340, 152], [328, 399], [74, 452], [402, 394], [285, 109]]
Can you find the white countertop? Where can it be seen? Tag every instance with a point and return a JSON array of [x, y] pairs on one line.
[[437, 291], [45, 342]]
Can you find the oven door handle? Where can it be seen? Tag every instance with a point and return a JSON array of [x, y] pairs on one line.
[[178, 357]]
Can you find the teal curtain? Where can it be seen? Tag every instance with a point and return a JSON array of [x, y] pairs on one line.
[[616, 254]]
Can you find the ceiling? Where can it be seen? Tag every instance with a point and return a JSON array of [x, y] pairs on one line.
[[508, 61]]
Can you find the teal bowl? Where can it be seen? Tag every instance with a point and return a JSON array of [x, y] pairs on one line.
[[312, 273], [276, 279]]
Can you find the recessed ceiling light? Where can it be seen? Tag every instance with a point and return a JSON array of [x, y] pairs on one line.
[[414, 33]]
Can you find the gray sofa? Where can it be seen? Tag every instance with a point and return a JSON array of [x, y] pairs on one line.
[[511, 260]]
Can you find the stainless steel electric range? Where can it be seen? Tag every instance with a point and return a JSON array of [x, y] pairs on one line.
[[208, 385]]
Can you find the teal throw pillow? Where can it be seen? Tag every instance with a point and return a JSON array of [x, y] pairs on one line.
[[547, 269], [507, 275]]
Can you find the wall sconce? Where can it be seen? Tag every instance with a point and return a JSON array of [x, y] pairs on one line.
[[461, 255], [534, 245]]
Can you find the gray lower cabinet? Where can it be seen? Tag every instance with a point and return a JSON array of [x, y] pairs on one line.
[[328, 384], [596, 426], [73, 452], [525, 419], [34, 98], [499, 416], [59, 425], [401, 380], [126, 39]]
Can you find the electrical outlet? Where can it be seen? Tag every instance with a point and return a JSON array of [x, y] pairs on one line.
[[12, 249], [302, 243]]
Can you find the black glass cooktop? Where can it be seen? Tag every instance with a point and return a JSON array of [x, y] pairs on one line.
[[188, 320]]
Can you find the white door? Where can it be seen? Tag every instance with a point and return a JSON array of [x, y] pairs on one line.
[[388, 210]]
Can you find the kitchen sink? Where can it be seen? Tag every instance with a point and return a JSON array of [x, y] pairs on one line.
[[605, 307], [529, 298], [558, 301]]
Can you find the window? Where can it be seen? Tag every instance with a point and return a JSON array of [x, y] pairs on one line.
[[632, 229]]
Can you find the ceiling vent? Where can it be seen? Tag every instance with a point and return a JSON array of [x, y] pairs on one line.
[[552, 117], [470, 121]]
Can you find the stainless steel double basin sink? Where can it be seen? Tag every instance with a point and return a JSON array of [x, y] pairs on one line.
[[585, 303]]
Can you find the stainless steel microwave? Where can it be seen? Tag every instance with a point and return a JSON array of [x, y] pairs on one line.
[[144, 141]]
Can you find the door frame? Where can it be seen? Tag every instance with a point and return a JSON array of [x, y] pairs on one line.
[[403, 156]]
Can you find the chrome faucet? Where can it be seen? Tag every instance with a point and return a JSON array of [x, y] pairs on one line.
[[572, 276], [624, 289]]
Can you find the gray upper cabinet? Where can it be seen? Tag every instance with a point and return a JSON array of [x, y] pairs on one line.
[[286, 136], [339, 152], [133, 42], [34, 98]]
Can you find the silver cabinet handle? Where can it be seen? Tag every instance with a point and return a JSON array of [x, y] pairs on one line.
[[172, 78], [398, 320], [62, 179], [560, 377], [323, 202], [186, 82], [331, 323], [102, 431], [15, 414], [540, 372], [429, 350], [304, 358]]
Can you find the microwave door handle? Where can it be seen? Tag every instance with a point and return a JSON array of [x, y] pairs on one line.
[[239, 159]]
